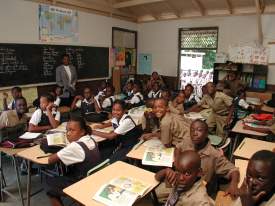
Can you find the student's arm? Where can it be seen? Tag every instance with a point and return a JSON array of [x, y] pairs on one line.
[[233, 187], [53, 158], [109, 136], [168, 174], [54, 123], [73, 105], [194, 108], [5, 104], [148, 136], [102, 125], [36, 128]]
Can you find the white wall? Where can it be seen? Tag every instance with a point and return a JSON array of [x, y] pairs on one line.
[[161, 38], [19, 24]]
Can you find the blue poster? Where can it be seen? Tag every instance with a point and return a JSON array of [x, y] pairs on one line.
[[145, 63]]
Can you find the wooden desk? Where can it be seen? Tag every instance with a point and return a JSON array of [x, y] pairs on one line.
[[92, 183], [137, 153], [249, 146], [238, 128]]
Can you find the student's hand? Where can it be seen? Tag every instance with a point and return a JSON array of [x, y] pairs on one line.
[[232, 190], [5, 95], [146, 136], [96, 126], [171, 176], [49, 107]]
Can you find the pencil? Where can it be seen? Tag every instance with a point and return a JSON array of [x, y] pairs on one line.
[[39, 157]]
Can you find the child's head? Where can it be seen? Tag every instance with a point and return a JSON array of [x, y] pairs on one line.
[[241, 93], [65, 59], [155, 76], [136, 87], [160, 107], [199, 132], [156, 87], [188, 90], [16, 92], [21, 105], [165, 94], [180, 98], [232, 76], [211, 88], [57, 90], [110, 90], [118, 109], [150, 103], [45, 100], [77, 128], [260, 174], [103, 85], [130, 85], [87, 93], [188, 164]]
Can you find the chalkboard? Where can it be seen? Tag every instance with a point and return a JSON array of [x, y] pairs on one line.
[[22, 64]]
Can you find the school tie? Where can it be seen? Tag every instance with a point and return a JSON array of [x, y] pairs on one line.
[[173, 197]]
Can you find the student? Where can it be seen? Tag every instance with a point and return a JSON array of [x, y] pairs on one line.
[[101, 91], [155, 77], [173, 128], [15, 92], [149, 120], [137, 98], [80, 155], [45, 117], [166, 94], [108, 99], [259, 185], [56, 93], [128, 90], [11, 118], [176, 106], [155, 92], [220, 104], [232, 84], [212, 161], [190, 98], [125, 134], [188, 188]]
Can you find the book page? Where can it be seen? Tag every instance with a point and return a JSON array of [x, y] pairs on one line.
[[30, 135], [158, 157], [56, 139]]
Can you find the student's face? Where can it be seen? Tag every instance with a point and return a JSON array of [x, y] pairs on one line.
[[211, 89], [58, 91], [109, 92], [259, 177], [87, 93], [65, 60], [155, 76], [155, 87], [180, 98], [231, 76], [159, 108], [15, 94], [117, 111], [74, 132], [21, 106], [198, 133], [188, 91], [135, 89], [44, 103], [130, 86]]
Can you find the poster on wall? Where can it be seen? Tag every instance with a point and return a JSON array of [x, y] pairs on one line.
[[58, 24], [120, 56], [145, 63]]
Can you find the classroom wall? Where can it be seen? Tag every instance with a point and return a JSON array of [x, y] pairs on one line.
[[161, 38]]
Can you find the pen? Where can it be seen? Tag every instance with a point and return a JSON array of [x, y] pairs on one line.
[[39, 157]]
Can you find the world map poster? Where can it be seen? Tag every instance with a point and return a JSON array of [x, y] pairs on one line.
[[57, 24]]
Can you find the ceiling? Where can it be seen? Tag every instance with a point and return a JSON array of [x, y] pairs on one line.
[[157, 10]]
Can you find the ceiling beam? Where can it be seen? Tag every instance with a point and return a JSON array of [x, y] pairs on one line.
[[173, 8], [149, 11], [229, 6], [199, 6], [131, 3]]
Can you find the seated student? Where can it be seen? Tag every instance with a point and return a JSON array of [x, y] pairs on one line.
[[108, 99], [212, 161], [166, 94], [15, 92], [259, 185], [101, 91], [232, 84], [155, 77], [80, 155], [45, 117], [128, 90], [176, 106], [155, 92], [149, 120], [125, 134], [56, 93], [11, 118], [188, 188], [190, 97], [173, 128], [220, 105], [137, 98]]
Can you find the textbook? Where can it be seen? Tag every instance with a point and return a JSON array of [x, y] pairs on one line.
[[57, 139], [30, 135], [121, 191], [158, 156]]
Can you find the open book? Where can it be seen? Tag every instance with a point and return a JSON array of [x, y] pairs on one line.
[[158, 156], [30, 135], [121, 191], [57, 139]]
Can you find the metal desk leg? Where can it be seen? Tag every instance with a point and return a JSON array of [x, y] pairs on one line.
[[29, 184], [234, 145], [18, 180]]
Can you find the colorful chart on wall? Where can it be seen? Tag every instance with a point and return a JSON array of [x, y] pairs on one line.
[[57, 24], [145, 63]]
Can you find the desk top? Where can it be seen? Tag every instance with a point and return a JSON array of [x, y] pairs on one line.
[[96, 180], [11, 151], [137, 153], [32, 153], [249, 146], [238, 128]]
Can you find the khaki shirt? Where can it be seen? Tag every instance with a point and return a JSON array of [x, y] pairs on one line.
[[234, 86], [195, 196], [270, 202], [212, 161], [176, 109], [174, 129], [10, 119], [219, 104]]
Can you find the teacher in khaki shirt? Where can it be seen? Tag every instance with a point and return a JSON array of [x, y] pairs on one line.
[[66, 78]]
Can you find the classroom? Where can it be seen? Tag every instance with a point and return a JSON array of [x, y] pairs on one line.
[[137, 102]]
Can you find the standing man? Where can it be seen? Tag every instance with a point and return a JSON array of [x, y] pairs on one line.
[[66, 78]]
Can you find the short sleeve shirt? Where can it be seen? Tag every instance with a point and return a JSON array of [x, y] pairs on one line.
[[124, 125], [36, 116], [10, 118]]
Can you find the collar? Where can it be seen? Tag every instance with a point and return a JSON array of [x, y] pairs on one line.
[[194, 188], [115, 120], [207, 150]]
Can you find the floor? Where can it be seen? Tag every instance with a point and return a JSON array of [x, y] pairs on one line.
[[38, 199]]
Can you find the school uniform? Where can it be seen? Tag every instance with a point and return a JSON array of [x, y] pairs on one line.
[[219, 111], [195, 196], [178, 109], [100, 94], [79, 157], [86, 106], [269, 202], [136, 100], [57, 101], [40, 118], [11, 105], [108, 103], [149, 121], [174, 129], [154, 95], [128, 94], [189, 102], [10, 118], [233, 86]]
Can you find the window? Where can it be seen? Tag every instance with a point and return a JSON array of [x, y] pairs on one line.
[[197, 54]]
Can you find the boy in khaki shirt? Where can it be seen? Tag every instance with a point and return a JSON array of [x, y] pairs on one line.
[[176, 106], [173, 128], [259, 185], [188, 188], [213, 163]]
